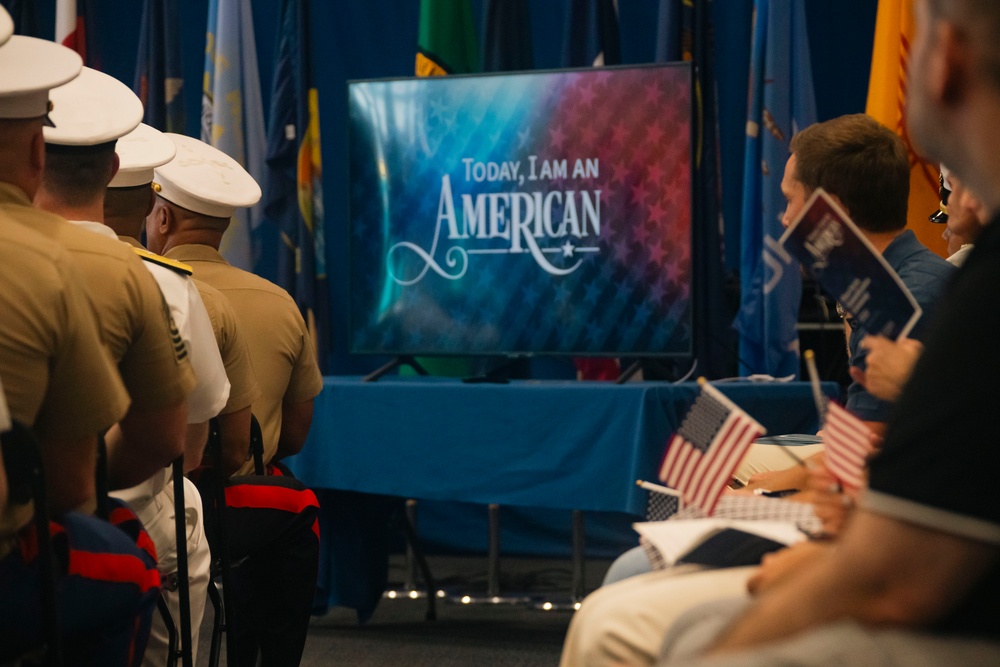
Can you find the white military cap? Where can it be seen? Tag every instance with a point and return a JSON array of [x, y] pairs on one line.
[[92, 109], [203, 179], [6, 26], [29, 69], [139, 152]]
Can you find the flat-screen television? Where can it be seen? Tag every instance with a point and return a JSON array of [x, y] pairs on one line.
[[514, 214]]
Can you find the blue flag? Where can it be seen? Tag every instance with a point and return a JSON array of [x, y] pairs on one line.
[[159, 76], [232, 113], [592, 37], [507, 41], [781, 103], [684, 32], [293, 193]]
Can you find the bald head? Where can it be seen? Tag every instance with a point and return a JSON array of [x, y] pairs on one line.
[[125, 209], [169, 225]]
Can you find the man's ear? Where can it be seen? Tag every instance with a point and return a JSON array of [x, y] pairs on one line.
[[839, 203], [951, 64], [163, 219]]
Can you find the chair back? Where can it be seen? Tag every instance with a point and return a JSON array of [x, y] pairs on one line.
[[22, 460]]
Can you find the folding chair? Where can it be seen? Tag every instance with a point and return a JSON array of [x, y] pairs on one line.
[[26, 480], [175, 649], [179, 643], [213, 489]]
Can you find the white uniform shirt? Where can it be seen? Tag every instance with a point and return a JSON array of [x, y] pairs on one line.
[[211, 392], [191, 319]]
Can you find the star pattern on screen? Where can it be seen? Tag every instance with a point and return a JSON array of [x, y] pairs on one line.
[[633, 278]]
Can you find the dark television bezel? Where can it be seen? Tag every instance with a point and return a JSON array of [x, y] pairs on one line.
[[523, 354]]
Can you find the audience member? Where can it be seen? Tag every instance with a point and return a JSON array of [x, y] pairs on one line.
[[273, 519], [59, 381]]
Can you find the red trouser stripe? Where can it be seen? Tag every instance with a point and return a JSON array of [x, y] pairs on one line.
[[121, 515], [119, 568], [270, 497]]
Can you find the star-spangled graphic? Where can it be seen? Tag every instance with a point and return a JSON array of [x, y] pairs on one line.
[[645, 207], [557, 138], [654, 133]]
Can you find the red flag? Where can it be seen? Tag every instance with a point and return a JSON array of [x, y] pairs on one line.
[[70, 27], [703, 453], [848, 445]]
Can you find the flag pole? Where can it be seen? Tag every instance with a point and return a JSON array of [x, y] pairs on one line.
[[657, 488], [814, 382], [707, 387]]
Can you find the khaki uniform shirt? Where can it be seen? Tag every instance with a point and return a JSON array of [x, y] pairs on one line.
[[244, 389], [280, 345], [133, 318], [57, 376]]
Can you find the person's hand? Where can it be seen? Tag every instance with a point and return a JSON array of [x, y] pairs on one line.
[[832, 503], [779, 480], [889, 365], [779, 564]]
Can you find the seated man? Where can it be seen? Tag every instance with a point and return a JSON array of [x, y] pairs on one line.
[[866, 168], [964, 221], [59, 381], [270, 520]]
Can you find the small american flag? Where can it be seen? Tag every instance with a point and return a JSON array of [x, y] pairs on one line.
[[703, 453], [848, 445]]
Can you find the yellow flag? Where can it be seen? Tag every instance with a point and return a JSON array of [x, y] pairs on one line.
[[887, 104]]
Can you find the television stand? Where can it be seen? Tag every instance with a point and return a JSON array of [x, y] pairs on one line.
[[511, 368], [402, 360], [627, 374]]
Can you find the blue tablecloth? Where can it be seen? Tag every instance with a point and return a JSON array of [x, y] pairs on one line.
[[552, 444], [569, 445]]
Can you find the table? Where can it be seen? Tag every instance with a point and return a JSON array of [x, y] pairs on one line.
[[553, 444], [565, 445]]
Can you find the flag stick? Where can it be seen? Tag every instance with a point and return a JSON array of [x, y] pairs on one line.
[[656, 488], [814, 382]]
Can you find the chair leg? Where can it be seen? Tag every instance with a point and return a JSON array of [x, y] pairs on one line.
[[50, 611], [579, 558], [218, 624], [168, 622]]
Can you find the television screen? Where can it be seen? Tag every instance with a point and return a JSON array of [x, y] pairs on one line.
[[530, 213]]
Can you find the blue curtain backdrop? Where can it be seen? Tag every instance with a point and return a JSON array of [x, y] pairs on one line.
[[353, 40]]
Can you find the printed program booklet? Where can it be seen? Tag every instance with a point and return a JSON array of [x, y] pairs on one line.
[[714, 542], [847, 266]]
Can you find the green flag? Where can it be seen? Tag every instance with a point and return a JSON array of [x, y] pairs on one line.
[[446, 43]]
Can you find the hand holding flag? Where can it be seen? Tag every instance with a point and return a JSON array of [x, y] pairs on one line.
[[848, 445], [847, 440], [703, 453]]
